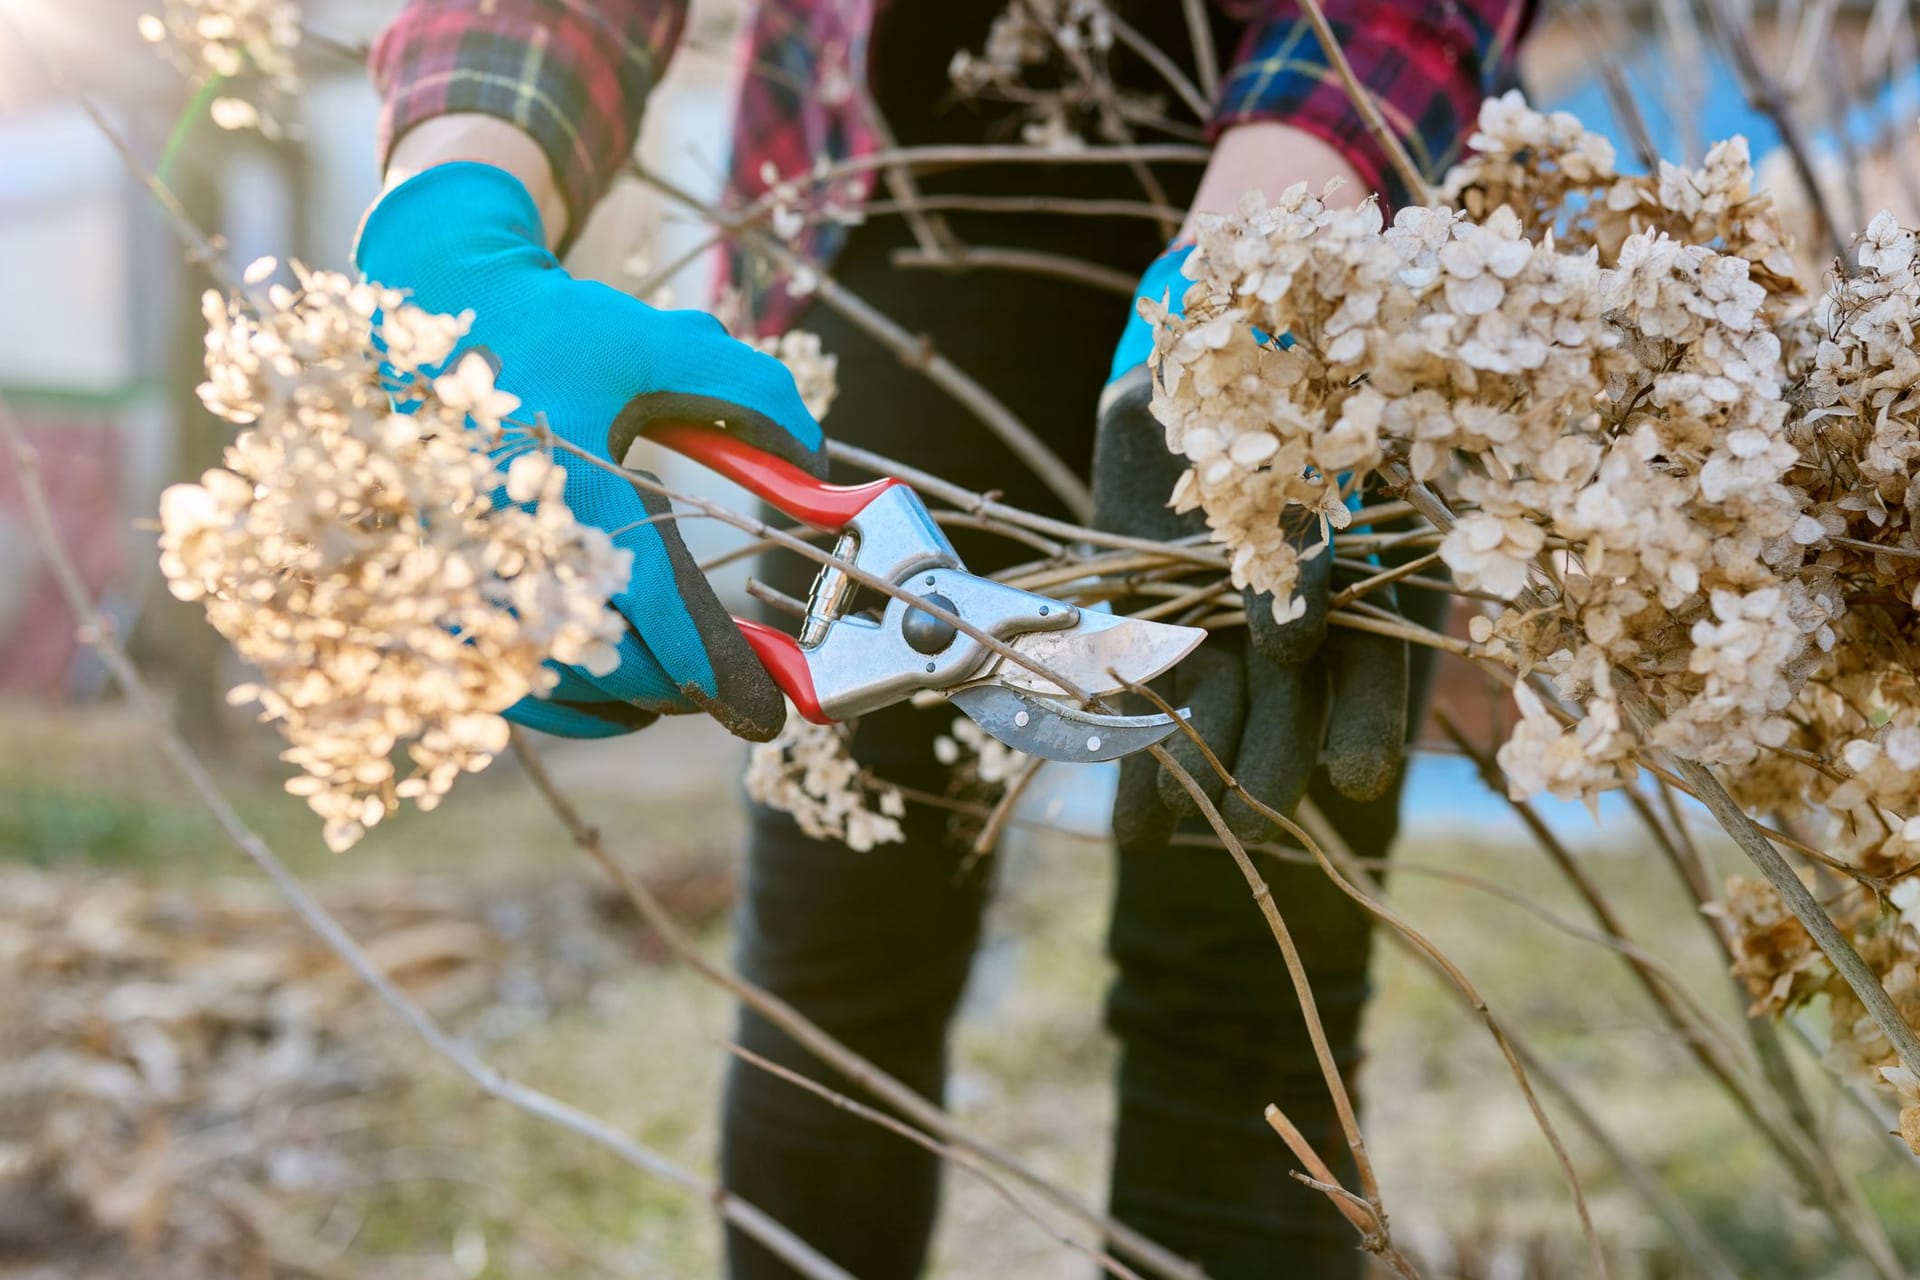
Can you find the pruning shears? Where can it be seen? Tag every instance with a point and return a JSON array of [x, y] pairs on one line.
[[850, 659]]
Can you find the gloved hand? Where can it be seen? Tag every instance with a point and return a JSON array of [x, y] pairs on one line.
[[1273, 700], [600, 366]]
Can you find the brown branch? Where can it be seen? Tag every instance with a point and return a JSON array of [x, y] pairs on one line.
[[1379, 909], [965, 1160], [931, 486], [1206, 62], [1318, 1176], [1065, 205], [1324, 837], [811, 1037], [1152, 54], [1024, 261], [1385, 577], [1368, 108], [1792, 1142], [1380, 1241], [1002, 811], [1277, 925]]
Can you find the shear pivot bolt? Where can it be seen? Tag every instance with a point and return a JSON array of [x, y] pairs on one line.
[[926, 633], [1020, 719], [1093, 744]]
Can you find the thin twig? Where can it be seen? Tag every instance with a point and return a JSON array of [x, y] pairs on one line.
[[1055, 266], [1323, 838], [1003, 808], [1296, 970], [1386, 577], [1313, 844], [1206, 62], [815, 1040], [777, 598], [946, 1151], [1064, 205], [1154, 56], [1368, 108], [1321, 1178], [932, 486]]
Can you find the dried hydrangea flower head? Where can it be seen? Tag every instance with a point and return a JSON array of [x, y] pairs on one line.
[[351, 549], [808, 772], [815, 370], [1050, 58], [1603, 402], [226, 39], [1669, 467]]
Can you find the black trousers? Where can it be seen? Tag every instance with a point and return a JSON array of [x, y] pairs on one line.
[[876, 946]]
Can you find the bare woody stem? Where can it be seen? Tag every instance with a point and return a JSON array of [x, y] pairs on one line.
[[1803, 1157], [815, 1040], [1324, 836], [1381, 911], [1805, 907], [963, 1160], [1369, 109], [1380, 1239]]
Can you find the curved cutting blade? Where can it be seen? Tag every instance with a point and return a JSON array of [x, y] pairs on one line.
[[1040, 727], [1097, 644]]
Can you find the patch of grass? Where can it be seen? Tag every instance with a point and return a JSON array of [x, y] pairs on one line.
[[1473, 1188]]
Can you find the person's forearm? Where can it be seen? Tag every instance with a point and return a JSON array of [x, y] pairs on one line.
[[1268, 157], [489, 140]]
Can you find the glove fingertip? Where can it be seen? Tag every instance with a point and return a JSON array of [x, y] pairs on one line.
[[1368, 731], [1363, 768], [1297, 639], [746, 708]]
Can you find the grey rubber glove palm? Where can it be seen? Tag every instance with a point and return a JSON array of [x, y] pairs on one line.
[[1272, 700]]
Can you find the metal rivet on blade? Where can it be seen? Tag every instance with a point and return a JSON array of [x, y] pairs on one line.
[[929, 579], [930, 666], [1043, 610], [1020, 718], [1093, 744]]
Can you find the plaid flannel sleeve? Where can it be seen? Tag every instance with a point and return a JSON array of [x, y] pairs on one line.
[[573, 73], [1427, 65]]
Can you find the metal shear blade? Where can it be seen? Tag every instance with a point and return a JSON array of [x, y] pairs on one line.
[[1101, 653], [1054, 731]]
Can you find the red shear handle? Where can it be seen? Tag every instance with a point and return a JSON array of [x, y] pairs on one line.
[[780, 654], [774, 480]]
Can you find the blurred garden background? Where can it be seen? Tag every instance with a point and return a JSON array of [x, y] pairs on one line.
[[191, 1086]]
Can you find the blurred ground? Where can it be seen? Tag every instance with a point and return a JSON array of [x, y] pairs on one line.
[[310, 1127]]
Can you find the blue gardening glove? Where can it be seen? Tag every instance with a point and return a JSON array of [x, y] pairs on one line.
[[1271, 699], [600, 366]]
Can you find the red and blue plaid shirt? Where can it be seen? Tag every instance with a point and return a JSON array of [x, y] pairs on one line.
[[575, 74]]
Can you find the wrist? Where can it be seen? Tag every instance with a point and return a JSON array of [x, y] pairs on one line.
[[482, 139], [1268, 157]]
